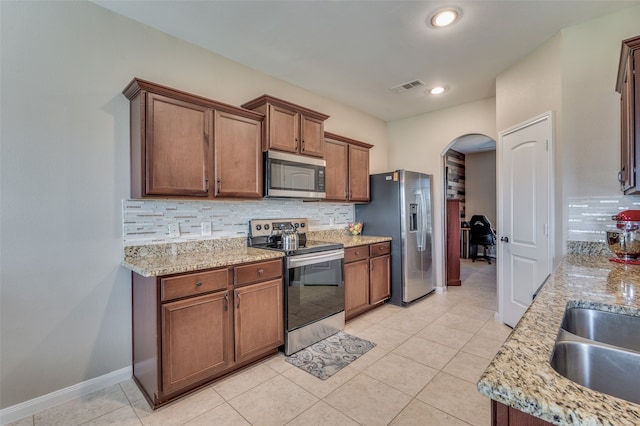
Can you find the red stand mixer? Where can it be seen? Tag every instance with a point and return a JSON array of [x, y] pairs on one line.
[[625, 240]]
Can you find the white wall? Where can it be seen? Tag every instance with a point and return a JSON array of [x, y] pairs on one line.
[[65, 301], [573, 75], [528, 89], [418, 144], [480, 185]]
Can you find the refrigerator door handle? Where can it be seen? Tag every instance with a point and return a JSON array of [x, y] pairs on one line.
[[421, 225]]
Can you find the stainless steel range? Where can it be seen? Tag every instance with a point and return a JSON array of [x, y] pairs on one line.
[[313, 280]]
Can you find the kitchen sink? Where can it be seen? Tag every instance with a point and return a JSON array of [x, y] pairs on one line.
[[604, 369], [606, 327], [601, 351]]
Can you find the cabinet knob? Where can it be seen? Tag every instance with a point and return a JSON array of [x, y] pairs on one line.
[[226, 301], [237, 300], [198, 283]]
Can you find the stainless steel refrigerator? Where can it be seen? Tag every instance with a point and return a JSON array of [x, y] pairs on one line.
[[400, 208]]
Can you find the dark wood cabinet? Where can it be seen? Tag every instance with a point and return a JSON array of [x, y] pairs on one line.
[[237, 156], [347, 177], [184, 145], [259, 318], [189, 329], [290, 127], [356, 287], [367, 277], [503, 415], [195, 340], [453, 243], [628, 85]]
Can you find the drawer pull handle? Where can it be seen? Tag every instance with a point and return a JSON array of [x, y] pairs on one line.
[[380, 248], [238, 300], [357, 253], [260, 272], [198, 283]]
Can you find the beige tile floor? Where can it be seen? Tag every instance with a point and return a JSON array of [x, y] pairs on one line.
[[422, 372]]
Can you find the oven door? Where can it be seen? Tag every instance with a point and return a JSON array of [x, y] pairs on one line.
[[314, 286]]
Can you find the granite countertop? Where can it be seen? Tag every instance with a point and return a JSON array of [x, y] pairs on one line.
[[520, 375], [348, 240], [165, 259]]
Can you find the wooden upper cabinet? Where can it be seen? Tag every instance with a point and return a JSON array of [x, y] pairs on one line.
[[177, 147], [184, 145], [628, 85], [347, 169], [237, 156], [358, 173], [336, 154], [290, 127]]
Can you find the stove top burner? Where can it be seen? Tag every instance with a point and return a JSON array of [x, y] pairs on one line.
[[267, 234], [306, 246]]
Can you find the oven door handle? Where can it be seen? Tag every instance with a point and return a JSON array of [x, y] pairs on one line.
[[312, 258]]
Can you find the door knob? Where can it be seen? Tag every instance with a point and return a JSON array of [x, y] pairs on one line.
[[504, 239]]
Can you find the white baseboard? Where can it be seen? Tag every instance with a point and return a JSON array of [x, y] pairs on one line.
[[29, 408]]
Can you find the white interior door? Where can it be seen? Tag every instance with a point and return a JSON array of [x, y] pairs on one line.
[[524, 208]]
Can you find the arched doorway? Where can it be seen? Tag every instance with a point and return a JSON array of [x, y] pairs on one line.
[[469, 185]]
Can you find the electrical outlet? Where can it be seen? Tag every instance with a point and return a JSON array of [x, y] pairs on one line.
[[174, 230], [206, 229]]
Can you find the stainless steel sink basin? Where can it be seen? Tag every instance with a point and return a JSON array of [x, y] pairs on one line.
[[601, 351], [606, 327], [604, 369]]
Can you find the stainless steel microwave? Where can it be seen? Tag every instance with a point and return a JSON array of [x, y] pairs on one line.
[[293, 176]]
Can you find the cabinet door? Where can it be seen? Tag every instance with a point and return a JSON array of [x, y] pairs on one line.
[[177, 147], [627, 147], [380, 278], [283, 129], [312, 136], [237, 156], [337, 170], [195, 340], [358, 173], [356, 287], [259, 319]]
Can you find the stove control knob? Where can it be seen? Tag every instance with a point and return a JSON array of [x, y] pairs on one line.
[[258, 227], [296, 225], [266, 227], [302, 225]]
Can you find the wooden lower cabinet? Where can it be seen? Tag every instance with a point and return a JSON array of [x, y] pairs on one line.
[[356, 287], [503, 415], [192, 328], [195, 339], [259, 318], [380, 278], [367, 277]]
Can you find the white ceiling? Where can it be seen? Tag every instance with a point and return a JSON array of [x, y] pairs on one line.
[[355, 51]]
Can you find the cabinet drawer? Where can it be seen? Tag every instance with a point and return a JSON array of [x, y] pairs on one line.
[[193, 284], [380, 249], [258, 272], [353, 254]]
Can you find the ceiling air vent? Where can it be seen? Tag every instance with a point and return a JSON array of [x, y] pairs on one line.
[[407, 86]]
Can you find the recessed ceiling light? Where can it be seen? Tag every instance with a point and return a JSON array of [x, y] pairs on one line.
[[444, 17], [437, 90]]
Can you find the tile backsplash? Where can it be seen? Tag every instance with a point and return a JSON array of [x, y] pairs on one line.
[[147, 221], [589, 218]]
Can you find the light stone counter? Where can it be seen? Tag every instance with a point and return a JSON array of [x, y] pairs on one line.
[[520, 375], [342, 236], [164, 259]]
